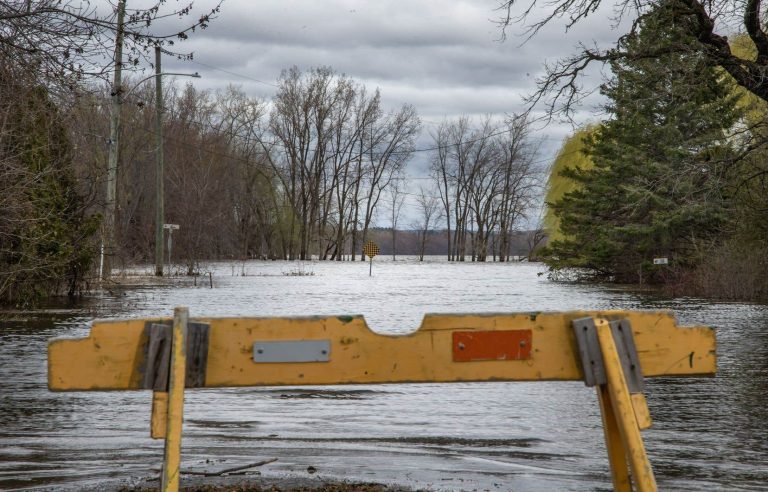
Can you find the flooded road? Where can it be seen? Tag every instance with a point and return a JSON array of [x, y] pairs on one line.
[[708, 433]]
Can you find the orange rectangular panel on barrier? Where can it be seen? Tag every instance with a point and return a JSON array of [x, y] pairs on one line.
[[469, 346]]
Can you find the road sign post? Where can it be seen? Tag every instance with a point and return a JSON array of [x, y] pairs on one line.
[[170, 228], [370, 249], [612, 350]]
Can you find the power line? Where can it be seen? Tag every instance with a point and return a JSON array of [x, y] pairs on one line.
[[234, 73]]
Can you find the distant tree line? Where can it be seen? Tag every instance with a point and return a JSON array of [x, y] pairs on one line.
[[523, 245]]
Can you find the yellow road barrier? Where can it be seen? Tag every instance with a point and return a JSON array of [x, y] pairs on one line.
[[165, 356]]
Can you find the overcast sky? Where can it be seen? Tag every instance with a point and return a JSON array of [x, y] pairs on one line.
[[443, 56]]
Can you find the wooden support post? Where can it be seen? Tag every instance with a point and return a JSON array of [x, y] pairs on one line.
[[642, 413], [617, 455], [624, 412], [159, 422], [176, 383]]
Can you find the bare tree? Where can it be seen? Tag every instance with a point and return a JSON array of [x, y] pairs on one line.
[[389, 144], [521, 181], [429, 213], [396, 200], [486, 181], [483, 186], [443, 177], [561, 88], [300, 123], [238, 119], [334, 152], [65, 41]]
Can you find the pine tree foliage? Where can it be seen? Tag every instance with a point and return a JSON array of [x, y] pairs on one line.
[[657, 186]]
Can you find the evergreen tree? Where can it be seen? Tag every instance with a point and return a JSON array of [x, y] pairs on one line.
[[656, 188], [45, 232]]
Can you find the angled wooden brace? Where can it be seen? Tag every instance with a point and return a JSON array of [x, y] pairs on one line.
[[157, 363], [176, 358], [609, 361]]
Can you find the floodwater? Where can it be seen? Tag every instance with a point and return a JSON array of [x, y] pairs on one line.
[[708, 433]]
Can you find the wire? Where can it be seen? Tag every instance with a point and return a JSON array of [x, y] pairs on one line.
[[234, 73]]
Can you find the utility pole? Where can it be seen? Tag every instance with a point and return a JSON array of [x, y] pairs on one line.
[[110, 215], [159, 204]]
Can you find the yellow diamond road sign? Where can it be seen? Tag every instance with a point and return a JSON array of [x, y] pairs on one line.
[[371, 249]]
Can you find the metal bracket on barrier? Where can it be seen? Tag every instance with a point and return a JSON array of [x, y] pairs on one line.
[[592, 359], [630, 362], [589, 351], [158, 355]]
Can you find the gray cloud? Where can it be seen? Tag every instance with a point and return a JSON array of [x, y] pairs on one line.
[[442, 56]]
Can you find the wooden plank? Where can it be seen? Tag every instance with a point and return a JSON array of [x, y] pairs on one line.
[[623, 411], [197, 354], [176, 382], [112, 357], [158, 357], [158, 423], [642, 413], [617, 455]]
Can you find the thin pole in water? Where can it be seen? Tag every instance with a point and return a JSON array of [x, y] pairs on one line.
[[101, 263], [170, 244]]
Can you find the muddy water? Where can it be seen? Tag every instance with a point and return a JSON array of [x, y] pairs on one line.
[[708, 434]]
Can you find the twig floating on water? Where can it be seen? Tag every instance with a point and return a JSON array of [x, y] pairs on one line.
[[228, 470]]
